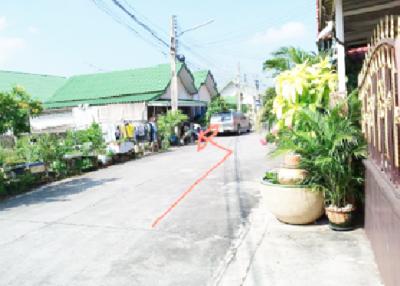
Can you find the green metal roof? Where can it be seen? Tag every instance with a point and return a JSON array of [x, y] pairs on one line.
[[200, 77], [39, 87], [105, 100], [132, 85]]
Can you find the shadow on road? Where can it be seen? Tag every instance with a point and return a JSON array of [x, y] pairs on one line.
[[57, 192]]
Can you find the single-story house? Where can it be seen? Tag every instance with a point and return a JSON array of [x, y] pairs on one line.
[[249, 95], [112, 97], [206, 89]]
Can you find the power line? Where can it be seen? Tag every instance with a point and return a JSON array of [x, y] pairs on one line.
[[117, 19], [142, 24], [162, 30]]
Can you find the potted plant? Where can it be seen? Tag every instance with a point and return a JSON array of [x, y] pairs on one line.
[[294, 198], [331, 146], [287, 195]]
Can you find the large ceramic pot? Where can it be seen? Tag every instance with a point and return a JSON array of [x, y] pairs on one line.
[[293, 204]]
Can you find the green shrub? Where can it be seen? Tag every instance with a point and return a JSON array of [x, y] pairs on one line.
[[27, 150], [166, 125], [87, 141]]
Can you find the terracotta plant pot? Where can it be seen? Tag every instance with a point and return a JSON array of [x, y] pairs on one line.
[[291, 176], [292, 160], [292, 204], [341, 218]]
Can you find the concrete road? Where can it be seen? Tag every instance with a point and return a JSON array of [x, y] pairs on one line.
[[96, 229]]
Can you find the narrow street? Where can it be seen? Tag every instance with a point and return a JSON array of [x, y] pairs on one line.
[[96, 229]]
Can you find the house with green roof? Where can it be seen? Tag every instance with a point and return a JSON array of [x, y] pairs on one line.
[[39, 87], [113, 97], [205, 84]]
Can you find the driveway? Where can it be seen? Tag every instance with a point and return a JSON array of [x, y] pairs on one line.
[[96, 229]]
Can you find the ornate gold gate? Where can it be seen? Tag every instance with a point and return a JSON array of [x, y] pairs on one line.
[[378, 91]]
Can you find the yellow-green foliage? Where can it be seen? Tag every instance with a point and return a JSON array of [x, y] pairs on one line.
[[306, 86]]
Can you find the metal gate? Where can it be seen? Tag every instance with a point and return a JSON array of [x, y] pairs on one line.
[[378, 90]]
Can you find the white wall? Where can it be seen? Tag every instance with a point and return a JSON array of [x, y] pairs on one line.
[[229, 90], [249, 93], [115, 113], [182, 92], [83, 117], [59, 121], [204, 94]]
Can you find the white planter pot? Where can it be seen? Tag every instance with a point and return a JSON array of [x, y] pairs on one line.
[[104, 159], [120, 148], [292, 204]]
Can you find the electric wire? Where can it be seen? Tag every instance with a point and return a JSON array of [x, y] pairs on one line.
[[118, 19], [140, 23]]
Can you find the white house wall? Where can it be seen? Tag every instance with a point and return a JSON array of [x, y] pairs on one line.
[[204, 94], [182, 92], [83, 117], [57, 121], [249, 93], [115, 113], [229, 90]]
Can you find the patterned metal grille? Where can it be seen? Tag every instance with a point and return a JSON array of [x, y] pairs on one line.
[[378, 90]]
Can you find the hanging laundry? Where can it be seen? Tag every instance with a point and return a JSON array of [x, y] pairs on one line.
[[129, 130], [123, 131]]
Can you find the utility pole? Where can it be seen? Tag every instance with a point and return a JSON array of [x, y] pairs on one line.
[[173, 55], [174, 76], [239, 91]]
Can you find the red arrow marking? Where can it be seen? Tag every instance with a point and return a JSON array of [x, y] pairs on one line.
[[202, 143]]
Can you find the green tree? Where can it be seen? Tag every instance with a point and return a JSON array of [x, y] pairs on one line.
[[267, 114], [15, 108], [217, 104], [167, 123], [286, 58]]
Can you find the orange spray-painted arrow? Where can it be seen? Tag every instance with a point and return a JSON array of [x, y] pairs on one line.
[[203, 140]]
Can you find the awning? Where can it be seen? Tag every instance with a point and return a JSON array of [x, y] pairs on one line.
[[181, 103]]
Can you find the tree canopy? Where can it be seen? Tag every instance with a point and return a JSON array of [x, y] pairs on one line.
[[286, 58], [217, 104], [15, 108]]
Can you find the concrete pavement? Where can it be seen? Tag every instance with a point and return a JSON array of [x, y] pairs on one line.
[[96, 229]]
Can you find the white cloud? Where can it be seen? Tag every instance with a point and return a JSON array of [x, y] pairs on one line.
[[3, 23], [33, 30], [285, 34]]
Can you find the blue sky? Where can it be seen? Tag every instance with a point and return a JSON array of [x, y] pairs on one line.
[[76, 37]]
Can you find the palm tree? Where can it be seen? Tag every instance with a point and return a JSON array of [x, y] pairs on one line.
[[286, 57]]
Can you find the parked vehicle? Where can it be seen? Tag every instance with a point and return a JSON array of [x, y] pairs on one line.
[[231, 122]]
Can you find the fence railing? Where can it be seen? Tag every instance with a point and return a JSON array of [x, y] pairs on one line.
[[378, 90]]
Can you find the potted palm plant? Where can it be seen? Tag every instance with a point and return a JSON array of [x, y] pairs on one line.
[[331, 146]]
